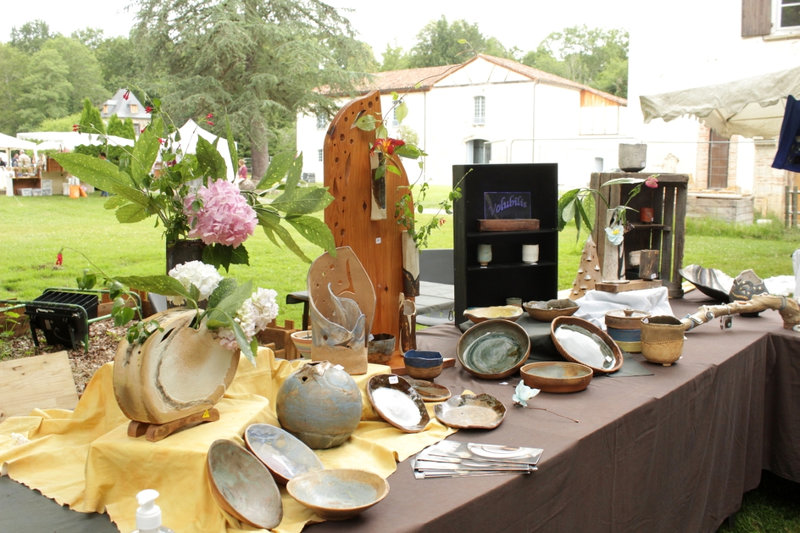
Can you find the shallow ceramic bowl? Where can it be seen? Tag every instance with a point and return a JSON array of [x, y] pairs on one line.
[[469, 411], [556, 376], [545, 311], [380, 348], [422, 364], [580, 341], [302, 342], [481, 314], [428, 390], [396, 401], [285, 455], [242, 485], [338, 494], [493, 349]]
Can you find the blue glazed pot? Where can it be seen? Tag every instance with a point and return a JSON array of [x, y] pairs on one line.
[[319, 404], [423, 364]]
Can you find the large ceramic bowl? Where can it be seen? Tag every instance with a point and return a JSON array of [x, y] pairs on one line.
[[545, 311], [338, 494], [556, 376], [242, 485], [285, 455], [580, 341], [493, 349], [481, 314]]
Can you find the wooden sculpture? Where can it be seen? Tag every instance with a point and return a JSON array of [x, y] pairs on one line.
[[588, 271], [787, 307], [348, 176]]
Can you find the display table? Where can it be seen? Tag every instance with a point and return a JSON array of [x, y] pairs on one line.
[[671, 451]]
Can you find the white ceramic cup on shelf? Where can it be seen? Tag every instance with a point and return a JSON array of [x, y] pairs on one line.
[[530, 254], [484, 254]]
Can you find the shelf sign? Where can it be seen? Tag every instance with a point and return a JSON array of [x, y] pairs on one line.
[[506, 205]]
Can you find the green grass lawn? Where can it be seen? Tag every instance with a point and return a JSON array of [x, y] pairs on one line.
[[34, 229]]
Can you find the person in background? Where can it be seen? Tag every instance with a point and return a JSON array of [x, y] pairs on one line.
[[24, 160], [245, 183], [102, 155], [15, 159]]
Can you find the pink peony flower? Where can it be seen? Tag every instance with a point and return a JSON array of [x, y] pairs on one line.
[[223, 216]]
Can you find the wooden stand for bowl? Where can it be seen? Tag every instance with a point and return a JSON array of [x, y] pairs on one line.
[[156, 432]]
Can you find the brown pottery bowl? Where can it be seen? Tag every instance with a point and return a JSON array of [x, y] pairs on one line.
[[545, 311], [338, 494], [556, 376]]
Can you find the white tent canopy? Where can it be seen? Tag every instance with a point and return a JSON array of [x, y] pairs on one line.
[[68, 140], [189, 133], [751, 107], [7, 142]]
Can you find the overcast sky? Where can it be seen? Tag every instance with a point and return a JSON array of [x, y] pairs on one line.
[[520, 23]]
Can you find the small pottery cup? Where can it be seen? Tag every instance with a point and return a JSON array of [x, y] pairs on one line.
[[662, 339], [380, 348], [423, 364]]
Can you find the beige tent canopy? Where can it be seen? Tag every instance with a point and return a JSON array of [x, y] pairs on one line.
[[751, 107]]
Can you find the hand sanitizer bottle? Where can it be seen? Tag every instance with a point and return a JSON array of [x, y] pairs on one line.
[[148, 514]]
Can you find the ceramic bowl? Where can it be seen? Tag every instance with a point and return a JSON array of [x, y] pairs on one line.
[[545, 311], [422, 364], [580, 341], [338, 494], [380, 348], [396, 401], [556, 376], [302, 342], [481, 314], [493, 349], [470, 411], [662, 339], [282, 453], [242, 485]]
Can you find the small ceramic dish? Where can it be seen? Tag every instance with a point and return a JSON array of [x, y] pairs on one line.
[[556, 376], [242, 485], [302, 342], [469, 411], [338, 494], [506, 312], [423, 364], [428, 390], [580, 341], [396, 401], [493, 349], [282, 453], [545, 311]]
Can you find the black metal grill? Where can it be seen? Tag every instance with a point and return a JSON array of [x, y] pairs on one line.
[[63, 316]]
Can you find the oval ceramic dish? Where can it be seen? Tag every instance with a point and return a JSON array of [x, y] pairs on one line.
[[545, 311], [469, 411], [398, 403], [338, 494], [428, 390], [285, 455], [505, 312], [493, 349], [556, 376], [580, 341], [243, 486]]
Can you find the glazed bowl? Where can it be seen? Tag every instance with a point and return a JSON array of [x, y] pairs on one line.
[[580, 341], [380, 348], [493, 349], [242, 485], [505, 312], [422, 364], [556, 376], [282, 453], [545, 311], [662, 339], [397, 402], [338, 494], [302, 342]]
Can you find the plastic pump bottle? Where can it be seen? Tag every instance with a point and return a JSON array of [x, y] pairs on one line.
[[148, 514]]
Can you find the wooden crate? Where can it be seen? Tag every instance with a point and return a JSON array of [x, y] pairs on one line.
[[281, 338]]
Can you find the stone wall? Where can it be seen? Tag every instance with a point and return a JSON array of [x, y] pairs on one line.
[[734, 208]]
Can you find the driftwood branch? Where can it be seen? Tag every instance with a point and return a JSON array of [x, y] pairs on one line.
[[787, 307]]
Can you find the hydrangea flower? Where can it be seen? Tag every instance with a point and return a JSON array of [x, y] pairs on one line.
[[204, 277], [253, 316], [219, 214]]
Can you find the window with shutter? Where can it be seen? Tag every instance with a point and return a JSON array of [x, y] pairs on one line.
[[756, 17]]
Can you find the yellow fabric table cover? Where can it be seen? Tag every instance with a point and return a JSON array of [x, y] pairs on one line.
[[85, 459]]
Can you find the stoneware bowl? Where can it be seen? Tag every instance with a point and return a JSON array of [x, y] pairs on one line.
[[481, 314], [662, 339], [242, 485], [493, 349], [380, 348], [556, 376], [580, 341], [397, 402], [302, 342], [545, 311], [338, 494], [422, 364], [282, 453]]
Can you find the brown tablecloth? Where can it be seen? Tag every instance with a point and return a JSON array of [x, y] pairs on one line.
[[673, 451]]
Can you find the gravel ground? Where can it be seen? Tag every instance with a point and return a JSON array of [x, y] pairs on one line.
[[104, 338]]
